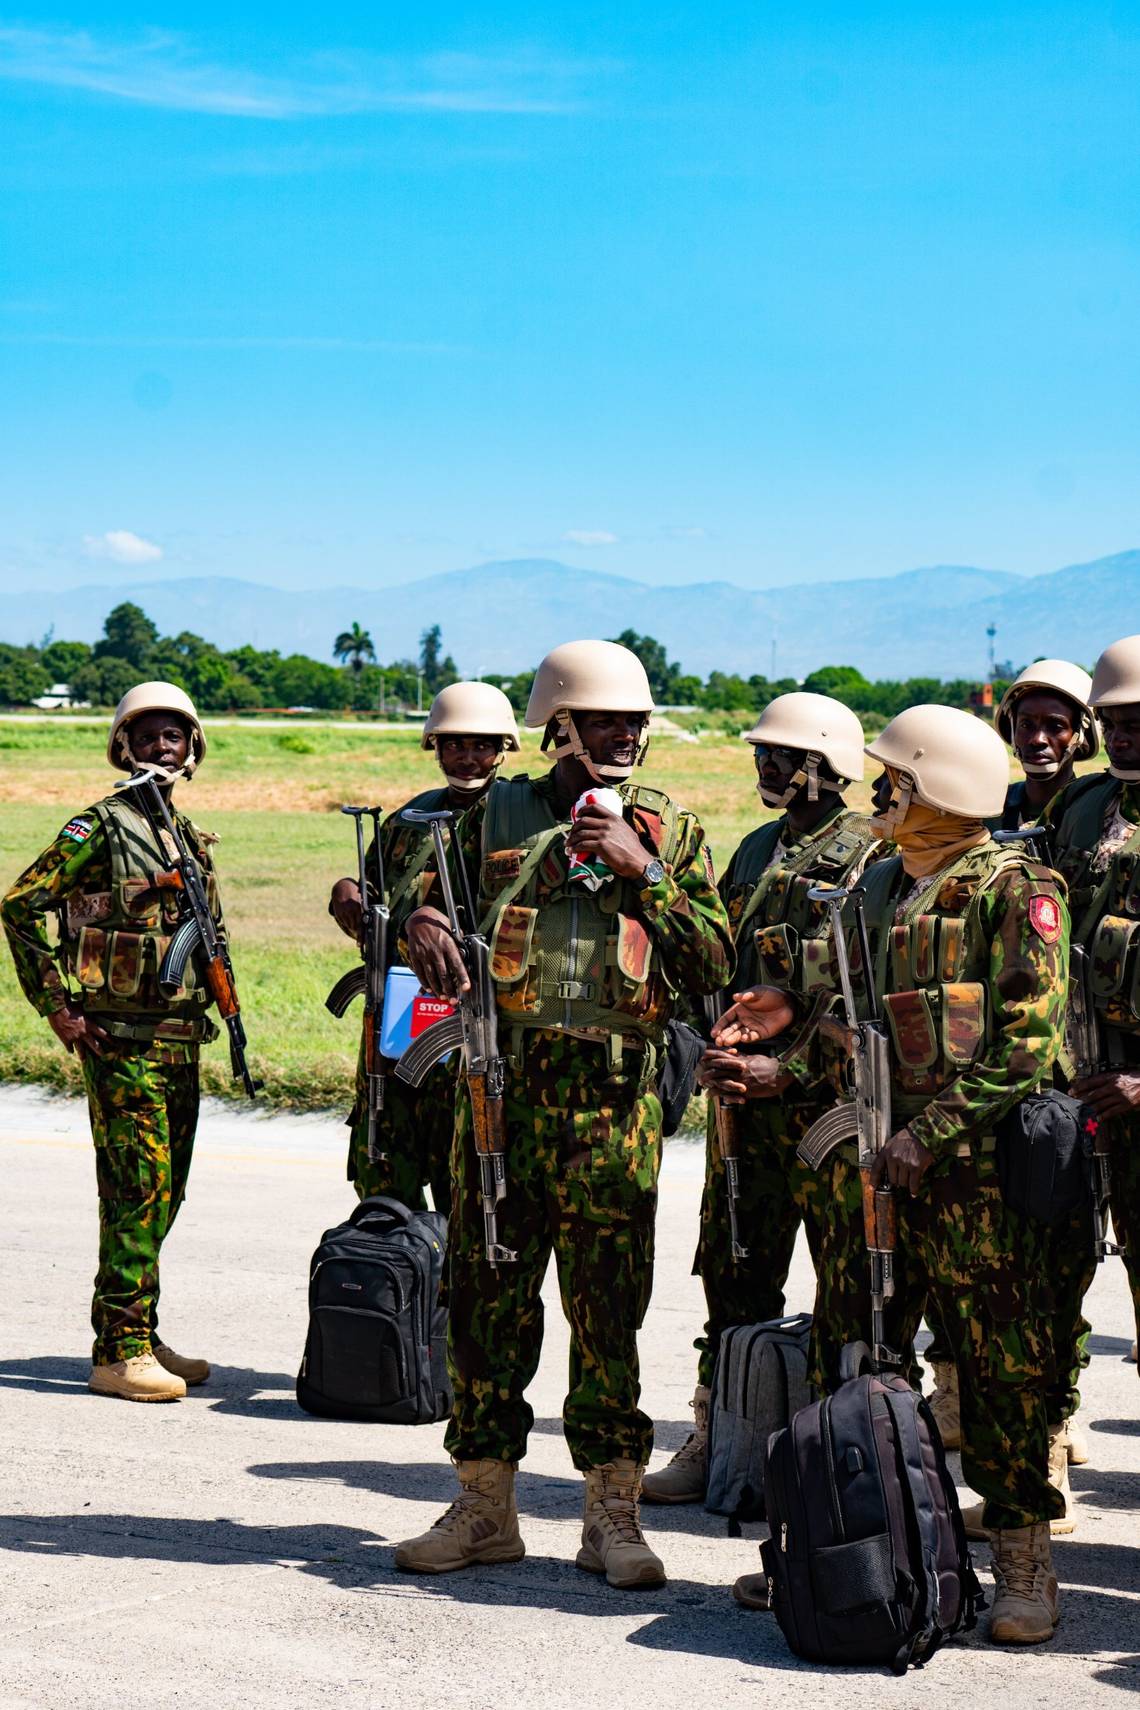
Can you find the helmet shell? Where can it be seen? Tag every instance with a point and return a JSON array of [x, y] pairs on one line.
[[154, 697], [817, 724], [588, 676], [1116, 675], [471, 709], [958, 763], [1058, 677]]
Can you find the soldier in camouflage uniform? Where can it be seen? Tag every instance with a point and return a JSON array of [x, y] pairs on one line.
[[471, 728], [586, 980], [98, 990], [969, 941], [1096, 845], [1045, 718], [807, 749]]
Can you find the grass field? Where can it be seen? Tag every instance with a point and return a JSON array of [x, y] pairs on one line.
[[273, 796]]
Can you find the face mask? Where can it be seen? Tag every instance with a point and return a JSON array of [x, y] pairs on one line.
[[930, 840]]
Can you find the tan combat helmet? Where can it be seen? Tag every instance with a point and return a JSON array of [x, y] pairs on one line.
[[947, 759], [588, 676], [819, 727], [1116, 683], [1058, 677], [471, 709], [154, 697]]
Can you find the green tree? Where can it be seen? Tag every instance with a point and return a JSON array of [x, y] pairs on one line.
[[127, 634], [22, 677], [61, 659], [664, 675], [104, 681], [436, 671], [354, 648]]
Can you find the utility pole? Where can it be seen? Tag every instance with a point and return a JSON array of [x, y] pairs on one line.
[[419, 691], [991, 631]]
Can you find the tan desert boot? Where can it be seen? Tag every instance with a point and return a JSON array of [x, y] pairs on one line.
[[191, 1372], [944, 1404], [1065, 1523], [1076, 1444], [752, 1591], [612, 1541], [482, 1524], [140, 1378], [684, 1479], [1025, 1609]]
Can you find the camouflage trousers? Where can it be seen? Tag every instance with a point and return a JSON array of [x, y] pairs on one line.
[[583, 1155], [983, 1271], [777, 1194], [143, 1117], [1070, 1266], [1124, 1167], [414, 1134]]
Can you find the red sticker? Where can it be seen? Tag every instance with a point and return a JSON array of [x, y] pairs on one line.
[[426, 1011], [1045, 918]]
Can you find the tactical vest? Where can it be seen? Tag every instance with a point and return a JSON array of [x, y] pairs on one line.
[[113, 942], [1105, 906], [768, 906], [563, 956], [409, 855], [931, 971]]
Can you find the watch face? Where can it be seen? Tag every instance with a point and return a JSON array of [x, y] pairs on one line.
[[654, 873]]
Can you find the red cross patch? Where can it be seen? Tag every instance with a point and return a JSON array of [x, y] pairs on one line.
[[1045, 918]]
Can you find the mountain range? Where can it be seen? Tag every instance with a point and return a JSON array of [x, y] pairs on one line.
[[504, 616]]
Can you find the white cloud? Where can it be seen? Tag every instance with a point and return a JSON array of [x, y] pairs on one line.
[[122, 547], [589, 537], [162, 69]]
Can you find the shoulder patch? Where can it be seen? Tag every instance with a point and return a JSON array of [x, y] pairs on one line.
[[78, 829], [1045, 917]]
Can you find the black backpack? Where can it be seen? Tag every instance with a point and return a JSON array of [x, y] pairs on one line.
[[867, 1562], [377, 1333], [759, 1382]]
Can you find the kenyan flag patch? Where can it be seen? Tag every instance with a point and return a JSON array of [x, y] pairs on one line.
[[1045, 918], [79, 830]]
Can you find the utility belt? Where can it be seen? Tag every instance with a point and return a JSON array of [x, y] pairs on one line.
[[199, 1030], [614, 1044]]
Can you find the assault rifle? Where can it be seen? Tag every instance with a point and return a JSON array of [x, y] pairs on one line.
[[197, 931], [727, 1116], [866, 1119], [474, 1029], [1088, 1059], [367, 981]]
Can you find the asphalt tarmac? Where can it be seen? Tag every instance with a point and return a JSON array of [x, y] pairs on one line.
[[229, 1550]]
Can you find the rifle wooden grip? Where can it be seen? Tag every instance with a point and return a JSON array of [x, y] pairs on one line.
[[486, 1117], [880, 1217], [728, 1128], [222, 987], [171, 881]]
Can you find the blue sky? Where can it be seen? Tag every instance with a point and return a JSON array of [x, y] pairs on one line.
[[760, 292]]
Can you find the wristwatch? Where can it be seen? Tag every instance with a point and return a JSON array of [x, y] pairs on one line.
[[653, 874]]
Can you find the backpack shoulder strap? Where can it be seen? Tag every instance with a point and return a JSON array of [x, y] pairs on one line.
[[900, 1400]]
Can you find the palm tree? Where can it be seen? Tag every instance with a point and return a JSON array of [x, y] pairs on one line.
[[354, 646]]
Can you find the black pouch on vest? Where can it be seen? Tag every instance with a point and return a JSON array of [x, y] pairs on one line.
[[684, 1049], [1044, 1156]]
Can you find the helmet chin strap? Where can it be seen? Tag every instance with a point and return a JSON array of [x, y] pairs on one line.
[[885, 824], [567, 742], [471, 786], [807, 772], [1126, 774], [164, 774], [1050, 768]]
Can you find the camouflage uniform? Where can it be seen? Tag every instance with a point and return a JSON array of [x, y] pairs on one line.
[[584, 1132], [971, 968], [142, 1094], [1096, 845], [764, 889], [415, 1127]]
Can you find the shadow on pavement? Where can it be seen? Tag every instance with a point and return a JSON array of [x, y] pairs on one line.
[[48, 1374], [538, 1494], [1116, 1427], [1110, 1345]]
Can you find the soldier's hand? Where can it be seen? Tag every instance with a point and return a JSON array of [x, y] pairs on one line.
[[1112, 1094], [599, 835], [73, 1029], [726, 1074], [346, 907], [902, 1163], [433, 955], [754, 1016]]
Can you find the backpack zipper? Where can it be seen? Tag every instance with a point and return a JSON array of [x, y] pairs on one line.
[[829, 1462]]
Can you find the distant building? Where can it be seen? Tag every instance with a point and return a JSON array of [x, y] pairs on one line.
[[58, 697]]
